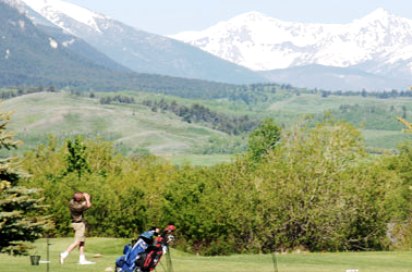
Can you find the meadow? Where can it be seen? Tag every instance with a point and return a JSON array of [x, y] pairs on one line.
[[104, 251], [131, 128], [136, 129]]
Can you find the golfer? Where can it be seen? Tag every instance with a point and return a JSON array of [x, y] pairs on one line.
[[78, 204]]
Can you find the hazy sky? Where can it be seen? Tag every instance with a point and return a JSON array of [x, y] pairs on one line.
[[173, 16]]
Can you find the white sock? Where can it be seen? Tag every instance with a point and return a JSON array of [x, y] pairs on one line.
[[65, 254], [82, 258]]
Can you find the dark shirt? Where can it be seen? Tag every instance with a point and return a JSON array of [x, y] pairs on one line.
[[76, 210]]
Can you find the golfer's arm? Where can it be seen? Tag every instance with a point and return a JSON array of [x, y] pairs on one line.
[[87, 198]]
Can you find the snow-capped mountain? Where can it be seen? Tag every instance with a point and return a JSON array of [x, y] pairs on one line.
[[376, 49], [55, 10], [42, 56], [263, 43], [138, 50], [378, 44]]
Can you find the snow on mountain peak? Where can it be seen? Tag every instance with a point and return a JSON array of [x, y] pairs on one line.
[[260, 42], [252, 16], [377, 15], [51, 9]]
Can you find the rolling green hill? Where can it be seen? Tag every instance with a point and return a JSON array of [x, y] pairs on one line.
[[135, 128], [132, 128]]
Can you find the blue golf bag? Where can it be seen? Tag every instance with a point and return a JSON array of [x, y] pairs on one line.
[[131, 253], [147, 251], [127, 262]]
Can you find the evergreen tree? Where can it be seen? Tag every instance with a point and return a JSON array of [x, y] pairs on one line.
[[21, 218]]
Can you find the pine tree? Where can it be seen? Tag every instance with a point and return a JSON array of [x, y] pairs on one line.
[[21, 210]]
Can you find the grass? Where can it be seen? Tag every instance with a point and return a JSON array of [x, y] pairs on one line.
[[104, 251], [308, 103], [373, 118], [385, 138], [134, 127]]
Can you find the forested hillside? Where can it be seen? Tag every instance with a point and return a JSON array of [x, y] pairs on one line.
[[35, 57]]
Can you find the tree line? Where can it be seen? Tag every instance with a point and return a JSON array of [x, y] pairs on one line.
[[123, 99], [197, 113], [10, 92]]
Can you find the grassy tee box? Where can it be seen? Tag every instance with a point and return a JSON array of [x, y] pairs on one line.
[[104, 251]]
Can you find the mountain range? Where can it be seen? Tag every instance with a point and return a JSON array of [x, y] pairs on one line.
[[373, 52], [135, 49], [33, 54]]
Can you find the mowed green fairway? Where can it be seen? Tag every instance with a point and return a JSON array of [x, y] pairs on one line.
[[104, 251]]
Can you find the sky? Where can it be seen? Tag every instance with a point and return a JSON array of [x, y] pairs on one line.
[[167, 17]]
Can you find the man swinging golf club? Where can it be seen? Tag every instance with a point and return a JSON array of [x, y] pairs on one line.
[[78, 204]]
